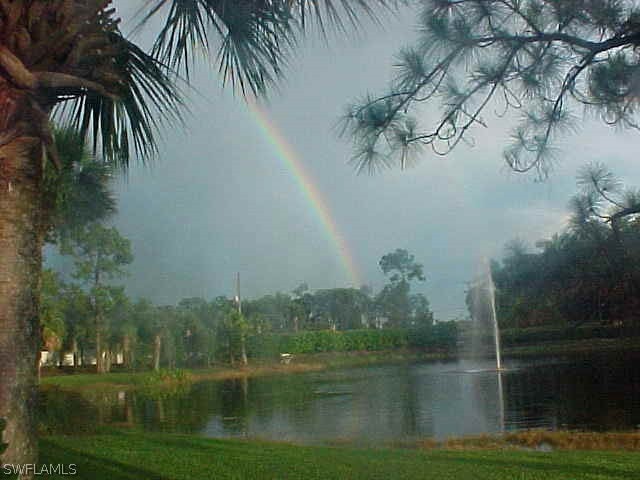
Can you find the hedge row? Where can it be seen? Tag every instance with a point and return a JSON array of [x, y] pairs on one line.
[[442, 336], [439, 337]]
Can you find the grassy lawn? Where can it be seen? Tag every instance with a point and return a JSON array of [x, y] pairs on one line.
[[119, 455]]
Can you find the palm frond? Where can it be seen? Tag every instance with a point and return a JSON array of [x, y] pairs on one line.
[[145, 95], [184, 31], [255, 37]]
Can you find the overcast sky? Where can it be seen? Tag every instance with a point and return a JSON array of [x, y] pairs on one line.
[[219, 199]]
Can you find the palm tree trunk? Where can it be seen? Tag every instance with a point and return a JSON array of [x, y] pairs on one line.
[[39, 362], [126, 351], [157, 345], [74, 349], [108, 356], [20, 267], [99, 360], [243, 350]]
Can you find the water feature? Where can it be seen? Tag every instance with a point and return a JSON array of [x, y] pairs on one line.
[[484, 316], [375, 405], [381, 404]]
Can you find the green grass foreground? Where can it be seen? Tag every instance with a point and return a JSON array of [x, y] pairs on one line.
[[120, 455]]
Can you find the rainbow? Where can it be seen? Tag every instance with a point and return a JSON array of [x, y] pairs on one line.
[[307, 187]]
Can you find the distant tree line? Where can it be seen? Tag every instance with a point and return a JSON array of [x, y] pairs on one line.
[[89, 317]]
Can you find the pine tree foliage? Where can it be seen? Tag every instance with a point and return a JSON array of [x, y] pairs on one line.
[[602, 200], [547, 61]]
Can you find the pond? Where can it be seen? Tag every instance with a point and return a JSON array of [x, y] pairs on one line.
[[378, 404]]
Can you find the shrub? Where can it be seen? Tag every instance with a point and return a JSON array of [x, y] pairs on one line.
[[164, 376], [442, 336], [263, 346]]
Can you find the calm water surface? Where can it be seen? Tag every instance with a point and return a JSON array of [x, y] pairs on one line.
[[375, 405]]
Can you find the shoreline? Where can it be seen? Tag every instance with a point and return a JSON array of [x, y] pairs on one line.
[[301, 364], [540, 440], [122, 380]]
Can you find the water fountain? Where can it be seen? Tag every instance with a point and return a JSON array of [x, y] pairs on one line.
[[485, 335], [483, 313]]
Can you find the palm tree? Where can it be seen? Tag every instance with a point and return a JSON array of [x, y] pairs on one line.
[[77, 193], [68, 60]]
